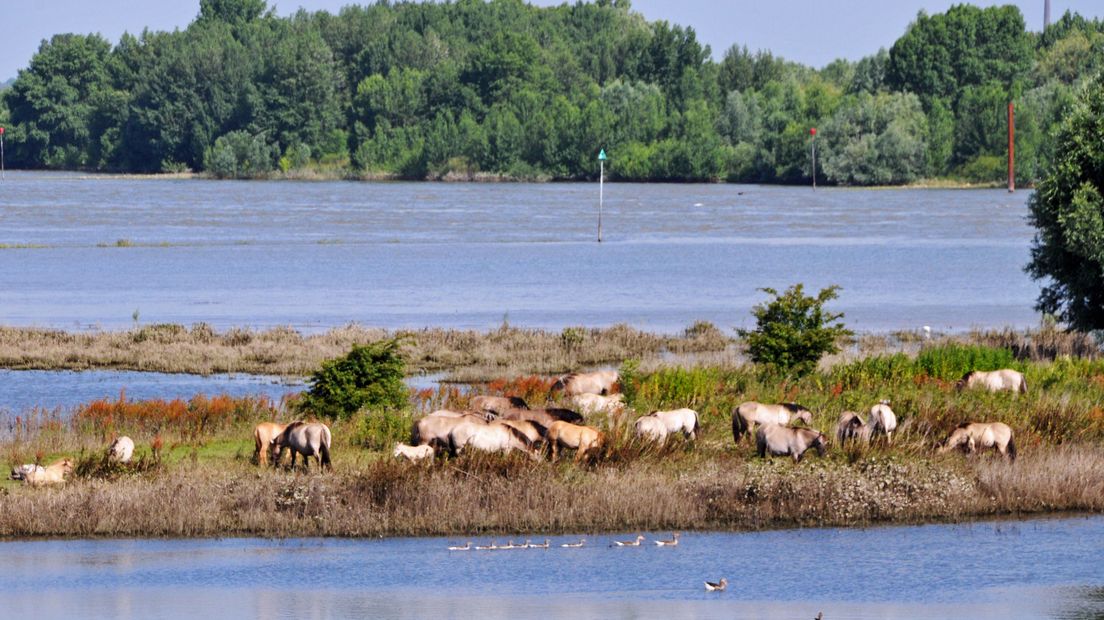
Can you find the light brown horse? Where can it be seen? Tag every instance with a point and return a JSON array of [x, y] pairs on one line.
[[972, 436], [533, 432], [263, 434], [496, 404], [596, 403], [1003, 380], [882, 421], [582, 439], [51, 474], [543, 417], [850, 426], [494, 437], [651, 428], [306, 438], [779, 440], [602, 382], [748, 414], [433, 430]]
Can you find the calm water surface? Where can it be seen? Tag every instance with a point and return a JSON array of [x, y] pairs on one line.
[[321, 254], [1031, 569]]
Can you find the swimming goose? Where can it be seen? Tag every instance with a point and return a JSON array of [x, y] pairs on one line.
[[671, 542], [575, 545], [535, 546], [464, 548], [511, 545], [711, 586], [630, 543], [490, 547]]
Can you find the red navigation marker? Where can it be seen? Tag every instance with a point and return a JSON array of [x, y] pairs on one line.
[[1, 131], [812, 131]]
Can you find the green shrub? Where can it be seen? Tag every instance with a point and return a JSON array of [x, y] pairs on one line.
[[793, 331], [382, 430], [369, 375], [951, 361], [239, 154]]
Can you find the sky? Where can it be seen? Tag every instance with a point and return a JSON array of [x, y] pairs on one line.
[[813, 32]]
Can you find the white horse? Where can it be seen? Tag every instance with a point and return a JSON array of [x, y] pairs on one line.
[[748, 414], [598, 382], [782, 440], [433, 430], [121, 450], [51, 474], [413, 453], [596, 403], [494, 437], [496, 404], [882, 420], [972, 436], [851, 426], [683, 421], [21, 472], [651, 428], [306, 438], [1002, 380]]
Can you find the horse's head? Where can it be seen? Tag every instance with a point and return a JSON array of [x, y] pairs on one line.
[[821, 444], [965, 380], [957, 438]]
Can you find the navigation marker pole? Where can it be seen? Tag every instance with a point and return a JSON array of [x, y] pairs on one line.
[[601, 192], [1, 154], [812, 132]]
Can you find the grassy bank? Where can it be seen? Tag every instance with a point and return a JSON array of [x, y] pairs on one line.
[[204, 447], [465, 355]]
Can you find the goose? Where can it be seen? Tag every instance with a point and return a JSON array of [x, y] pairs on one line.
[[630, 543], [711, 586], [535, 546], [464, 548], [490, 547], [574, 545], [671, 542], [511, 545]]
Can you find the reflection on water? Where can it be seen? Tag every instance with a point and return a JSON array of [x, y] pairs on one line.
[[1030, 569], [318, 255]]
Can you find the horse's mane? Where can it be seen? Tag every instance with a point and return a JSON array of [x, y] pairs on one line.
[[519, 435], [518, 402], [967, 375], [963, 425], [793, 407]]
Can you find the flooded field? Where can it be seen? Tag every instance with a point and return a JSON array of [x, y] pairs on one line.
[[82, 252]]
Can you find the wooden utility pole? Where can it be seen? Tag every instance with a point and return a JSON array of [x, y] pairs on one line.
[[1011, 148], [812, 132]]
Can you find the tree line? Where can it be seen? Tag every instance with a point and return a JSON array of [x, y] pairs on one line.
[[433, 89]]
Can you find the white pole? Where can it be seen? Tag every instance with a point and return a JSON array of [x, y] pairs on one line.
[[814, 162], [601, 195], [2, 177]]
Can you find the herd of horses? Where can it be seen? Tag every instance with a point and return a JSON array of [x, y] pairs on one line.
[[507, 423]]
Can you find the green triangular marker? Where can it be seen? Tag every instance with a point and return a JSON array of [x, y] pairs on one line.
[[602, 155]]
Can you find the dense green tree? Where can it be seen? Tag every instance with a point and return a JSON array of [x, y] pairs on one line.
[[876, 140], [793, 330], [1067, 210]]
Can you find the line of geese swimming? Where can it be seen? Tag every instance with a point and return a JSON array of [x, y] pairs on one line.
[[529, 544]]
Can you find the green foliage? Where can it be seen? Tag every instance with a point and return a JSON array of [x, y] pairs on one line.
[[950, 362], [383, 429], [369, 376], [239, 155], [876, 140], [1067, 209], [793, 331]]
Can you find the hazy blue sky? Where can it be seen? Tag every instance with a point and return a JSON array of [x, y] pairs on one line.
[[810, 31]]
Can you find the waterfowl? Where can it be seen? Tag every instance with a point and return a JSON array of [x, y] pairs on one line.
[[575, 545], [671, 542], [464, 548], [711, 586], [544, 546], [490, 547], [630, 543], [511, 545]]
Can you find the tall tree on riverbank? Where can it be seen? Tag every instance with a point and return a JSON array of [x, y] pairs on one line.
[[1068, 211]]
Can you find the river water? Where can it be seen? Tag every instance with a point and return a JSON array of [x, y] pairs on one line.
[[1046, 568], [84, 252]]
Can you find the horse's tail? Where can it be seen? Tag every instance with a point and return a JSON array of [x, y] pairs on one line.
[[324, 449], [697, 426], [415, 435], [1023, 385], [739, 425], [1012, 448]]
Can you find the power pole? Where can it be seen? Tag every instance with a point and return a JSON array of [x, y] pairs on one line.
[[1011, 148], [1046, 14], [812, 132]]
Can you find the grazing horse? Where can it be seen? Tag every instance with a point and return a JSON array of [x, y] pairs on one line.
[[263, 434], [651, 428], [496, 404], [306, 438], [1005, 379], [683, 421], [121, 449], [851, 426], [543, 417], [412, 453], [493, 437], [882, 420], [596, 403], [601, 382], [51, 474], [782, 440], [23, 471], [748, 414], [433, 430], [582, 439], [533, 431], [970, 436]]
